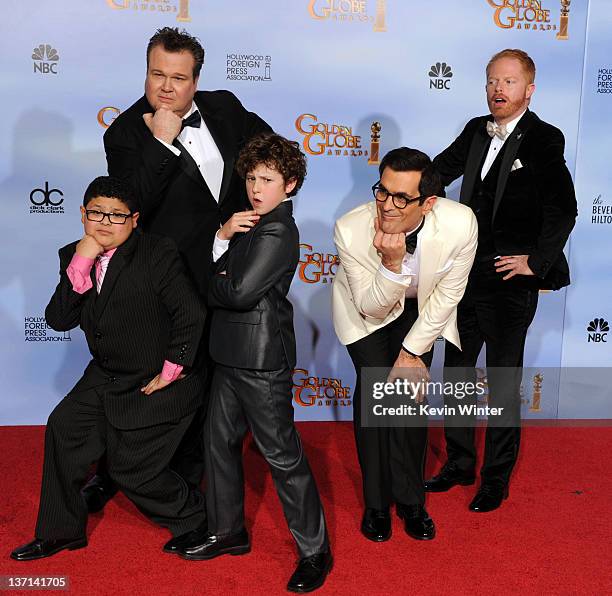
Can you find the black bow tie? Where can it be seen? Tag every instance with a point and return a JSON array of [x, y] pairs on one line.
[[194, 120], [411, 239]]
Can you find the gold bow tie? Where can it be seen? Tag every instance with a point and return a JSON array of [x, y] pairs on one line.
[[497, 130]]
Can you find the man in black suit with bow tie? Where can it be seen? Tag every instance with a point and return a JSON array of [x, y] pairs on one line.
[[516, 181], [177, 147]]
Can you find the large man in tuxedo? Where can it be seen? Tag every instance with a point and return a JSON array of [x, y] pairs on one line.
[[516, 182], [177, 147], [404, 265]]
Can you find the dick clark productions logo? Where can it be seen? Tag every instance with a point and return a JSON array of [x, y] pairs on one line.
[[46, 200]]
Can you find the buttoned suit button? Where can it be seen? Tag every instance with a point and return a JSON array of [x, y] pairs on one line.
[[98, 335]]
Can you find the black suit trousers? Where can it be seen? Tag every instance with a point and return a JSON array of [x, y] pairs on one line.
[[138, 461], [260, 400], [498, 314], [391, 459]]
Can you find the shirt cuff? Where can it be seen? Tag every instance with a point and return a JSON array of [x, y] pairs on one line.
[[171, 147], [402, 278], [219, 248], [170, 371], [411, 352], [78, 273]]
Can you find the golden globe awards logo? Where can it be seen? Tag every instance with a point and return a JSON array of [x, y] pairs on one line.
[[350, 11], [311, 391], [321, 138], [529, 15], [107, 115], [316, 267], [180, 8]]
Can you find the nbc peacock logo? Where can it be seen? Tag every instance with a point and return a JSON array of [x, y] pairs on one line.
[[598, 330], [45, 59], [440, 75]]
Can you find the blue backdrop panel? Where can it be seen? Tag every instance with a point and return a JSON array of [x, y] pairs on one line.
[[320, 72]]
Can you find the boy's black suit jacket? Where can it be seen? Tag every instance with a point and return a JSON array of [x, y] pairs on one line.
[[534, 207], [175, 200], [252, 320], [147, 312]]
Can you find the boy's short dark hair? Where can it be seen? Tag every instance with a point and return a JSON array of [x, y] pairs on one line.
[[113, 188], [405, 159], [173, 40], [276, 152]]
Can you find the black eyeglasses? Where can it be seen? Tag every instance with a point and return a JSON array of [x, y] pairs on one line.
[[400, 200], [114, 218]]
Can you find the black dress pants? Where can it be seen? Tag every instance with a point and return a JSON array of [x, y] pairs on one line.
[[391, 459], [498, 314], [138, 461], [262, 401]]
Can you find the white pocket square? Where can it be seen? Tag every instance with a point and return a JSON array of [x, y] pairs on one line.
[[517, 165]]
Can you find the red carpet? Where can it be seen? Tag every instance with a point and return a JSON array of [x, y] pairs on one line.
[[552, 536]]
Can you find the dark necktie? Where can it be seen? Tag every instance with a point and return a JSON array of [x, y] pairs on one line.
[[194, 120], [411, 239]]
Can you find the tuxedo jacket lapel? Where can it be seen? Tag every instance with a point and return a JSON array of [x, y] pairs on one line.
[[220, 132], [115, 266], [512, 146], [478, 148], [189, 166], [430, 251]]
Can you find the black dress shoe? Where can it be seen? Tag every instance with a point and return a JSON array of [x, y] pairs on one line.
[[39, 549], [311, 572], [417, 522], [214, 546], [98, 492], [376, 525], [489, 497], [448, 477], [187, 540]]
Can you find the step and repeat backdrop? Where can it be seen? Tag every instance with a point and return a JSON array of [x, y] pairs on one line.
[[347, 79]]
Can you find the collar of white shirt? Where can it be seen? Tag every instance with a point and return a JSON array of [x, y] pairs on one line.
[[510, 126]]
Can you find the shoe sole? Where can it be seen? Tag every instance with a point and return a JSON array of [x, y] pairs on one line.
[[443, 490], [422, 537], [234, 550], [71, 546], [313, 588], [377, 540], [416, 537], [505, 496]]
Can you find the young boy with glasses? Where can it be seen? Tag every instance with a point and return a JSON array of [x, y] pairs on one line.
[[143, 322]]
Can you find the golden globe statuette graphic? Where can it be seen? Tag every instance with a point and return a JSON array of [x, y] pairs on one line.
[[375, 129], [564, 20], [107, 115], [379, 21], [537, 393], [482, 378]]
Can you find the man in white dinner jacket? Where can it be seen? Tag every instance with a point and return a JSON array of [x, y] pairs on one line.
[[405, 258]]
